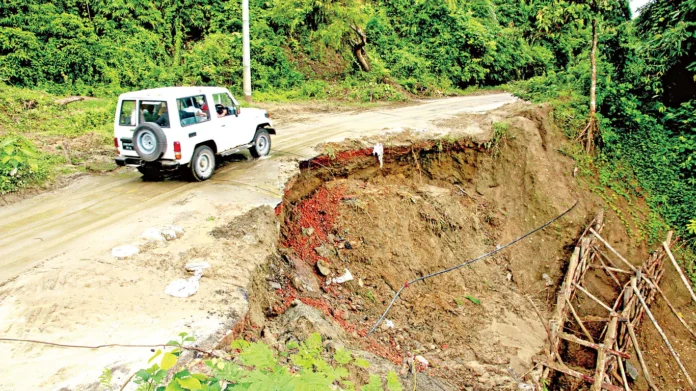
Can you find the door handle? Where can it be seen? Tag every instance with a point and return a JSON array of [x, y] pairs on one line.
[[222, 126]]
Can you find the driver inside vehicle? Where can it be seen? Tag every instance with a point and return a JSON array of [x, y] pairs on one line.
[[221, 110]]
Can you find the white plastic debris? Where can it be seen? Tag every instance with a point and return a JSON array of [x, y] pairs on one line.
[[195, 266], [184, 287], [389, 324], [169, 234], [178, 230], [378, 150], [126, 251], [347, 276], [422, 360], [547, 279], [153, 234]]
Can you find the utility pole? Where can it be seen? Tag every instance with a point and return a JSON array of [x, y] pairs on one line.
[[246, 61]]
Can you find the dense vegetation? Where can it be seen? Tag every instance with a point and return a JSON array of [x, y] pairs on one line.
[[386, 50]]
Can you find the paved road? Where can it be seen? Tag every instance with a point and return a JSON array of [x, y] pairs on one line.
[[58, 281]]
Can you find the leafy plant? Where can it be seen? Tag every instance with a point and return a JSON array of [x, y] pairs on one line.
[[254, 366], [473, 299], [19, 163]]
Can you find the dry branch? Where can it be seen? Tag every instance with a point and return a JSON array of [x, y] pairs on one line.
[[686, 282], [602, 353], [662, 334], [577, 319], [639, 355], [591, 296], [70, 99], [592, 345], [601, 239], [580, 375]]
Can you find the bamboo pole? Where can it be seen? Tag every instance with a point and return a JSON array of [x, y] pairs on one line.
[[686, 282], [662, 334], [623, 374], [609, 273], [580, 375], [621, 258], [639, 355], [577, 319], [674, 310], [591, 296], [602, 353], [592, 345]]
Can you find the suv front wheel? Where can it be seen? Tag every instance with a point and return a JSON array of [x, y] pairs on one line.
[[203, 163], [262, 143]]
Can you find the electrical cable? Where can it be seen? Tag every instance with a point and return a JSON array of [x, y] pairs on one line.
[[469, 262]]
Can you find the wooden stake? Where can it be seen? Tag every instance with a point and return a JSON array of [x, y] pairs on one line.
[[686, 282], [583, 290], [623, 374], [615, 270], [601, 239], [674, 310], [577, 319], [602, 353], [591, 345], [606, 270], [580, 375], [662, 334], [639, 355]]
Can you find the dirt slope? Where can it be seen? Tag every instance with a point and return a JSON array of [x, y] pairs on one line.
[[434, 204]]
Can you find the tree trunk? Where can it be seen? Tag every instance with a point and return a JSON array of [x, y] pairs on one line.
[[589, 145], [359, 49]]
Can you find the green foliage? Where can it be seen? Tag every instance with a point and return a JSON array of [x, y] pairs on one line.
[[498, 138], [473, 300], [256, 367], [105, 379]]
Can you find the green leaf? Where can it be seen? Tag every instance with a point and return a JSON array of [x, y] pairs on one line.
[[190, 383], [154, 356], [342, 356], [6, 159], [143, 374], [473, 300], [375, 384], [174, 386], [239, 344], [292, 345], [362, 363], [159, 376], [393, 383], [258, 355], [168, 361], [7, 141]]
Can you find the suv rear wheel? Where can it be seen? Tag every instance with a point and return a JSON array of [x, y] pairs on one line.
[[203, 163], [262, 143]]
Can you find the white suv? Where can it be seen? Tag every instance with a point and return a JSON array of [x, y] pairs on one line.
[[168, 128]]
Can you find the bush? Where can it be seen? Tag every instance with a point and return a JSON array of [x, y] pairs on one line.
[[20, 164], [254, 366]]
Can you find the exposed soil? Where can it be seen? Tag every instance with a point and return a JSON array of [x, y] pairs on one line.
[[435, 204]]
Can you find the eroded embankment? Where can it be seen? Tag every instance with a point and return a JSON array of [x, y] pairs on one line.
[[433, 204]]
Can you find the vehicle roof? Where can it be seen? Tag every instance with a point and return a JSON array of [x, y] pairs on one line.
[[171, 92]]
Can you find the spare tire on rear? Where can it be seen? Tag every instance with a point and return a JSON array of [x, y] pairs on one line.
[[149, 141]]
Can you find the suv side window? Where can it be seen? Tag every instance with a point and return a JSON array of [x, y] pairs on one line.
[[193, 110], [126, 116], [154, 111], [224, 105]]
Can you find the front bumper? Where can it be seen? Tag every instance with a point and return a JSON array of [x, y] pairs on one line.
[[138, 162]]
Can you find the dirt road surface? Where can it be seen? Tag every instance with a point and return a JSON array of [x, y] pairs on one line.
[[60, 283]]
